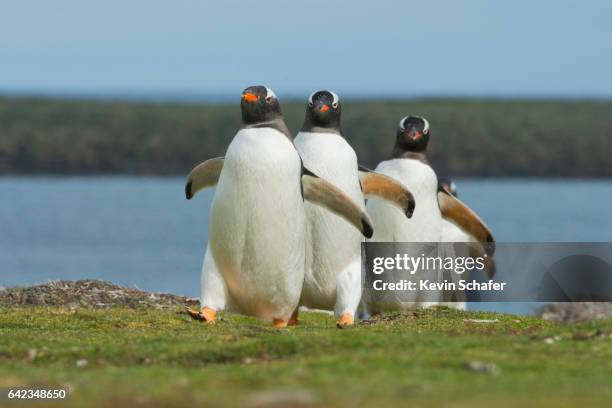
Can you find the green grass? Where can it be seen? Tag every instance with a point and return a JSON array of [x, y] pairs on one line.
[[140, 357]]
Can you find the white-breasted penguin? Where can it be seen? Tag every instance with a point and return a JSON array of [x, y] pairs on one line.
[[409, 165], [451, 232], [334, 280], [257, 252]]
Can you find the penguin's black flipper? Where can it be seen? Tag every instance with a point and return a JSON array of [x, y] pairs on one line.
[[461, 215], [203, 175], [379, 185], [323, 193]]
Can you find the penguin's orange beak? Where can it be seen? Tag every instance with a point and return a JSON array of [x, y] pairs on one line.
[[415, 135], [250, 97], [324, 108]]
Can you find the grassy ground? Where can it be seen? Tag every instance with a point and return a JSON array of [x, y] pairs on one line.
[[122, 357]]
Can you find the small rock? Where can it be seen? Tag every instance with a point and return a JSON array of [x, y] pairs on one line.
[[81, 362], [552, 340], [31, 354], [482, 367]]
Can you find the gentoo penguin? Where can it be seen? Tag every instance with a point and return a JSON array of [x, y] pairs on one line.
[[453, 233], [409, 165], [450, 231], [449, 185], [257, 251], [334, 280]]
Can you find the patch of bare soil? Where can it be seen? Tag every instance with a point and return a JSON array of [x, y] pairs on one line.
[[91, 294]]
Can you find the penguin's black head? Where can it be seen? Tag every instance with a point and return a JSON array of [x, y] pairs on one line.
[[413, 134], [259, 104], [323, 112], [448, 185]]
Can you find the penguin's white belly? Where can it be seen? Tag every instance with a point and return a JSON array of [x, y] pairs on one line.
[[452, 233], [335, 243], [391, 225], [425, 225], [258, 226]]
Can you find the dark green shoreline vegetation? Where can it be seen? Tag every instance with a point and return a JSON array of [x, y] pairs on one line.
[[471, 137]]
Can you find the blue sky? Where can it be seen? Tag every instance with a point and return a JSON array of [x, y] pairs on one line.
[[359, 48]]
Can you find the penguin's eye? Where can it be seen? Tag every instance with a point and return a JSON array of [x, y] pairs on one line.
[[268, 99], [335, 105], [310, 104]]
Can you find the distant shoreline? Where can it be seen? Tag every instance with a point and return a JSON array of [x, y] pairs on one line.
[[221, 98], [473, 137]]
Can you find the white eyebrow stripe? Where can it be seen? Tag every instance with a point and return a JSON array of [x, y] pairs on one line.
[[336, 99], [270, 93], [311, 95], [426, 128]]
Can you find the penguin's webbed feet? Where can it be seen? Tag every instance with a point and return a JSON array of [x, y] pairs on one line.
[[293, 320], [206, 315], [279, 323], [345, 320]]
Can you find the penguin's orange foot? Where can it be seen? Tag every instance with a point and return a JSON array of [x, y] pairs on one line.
[[279, 324], [293, 320], [346, 319], [206, 315]]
